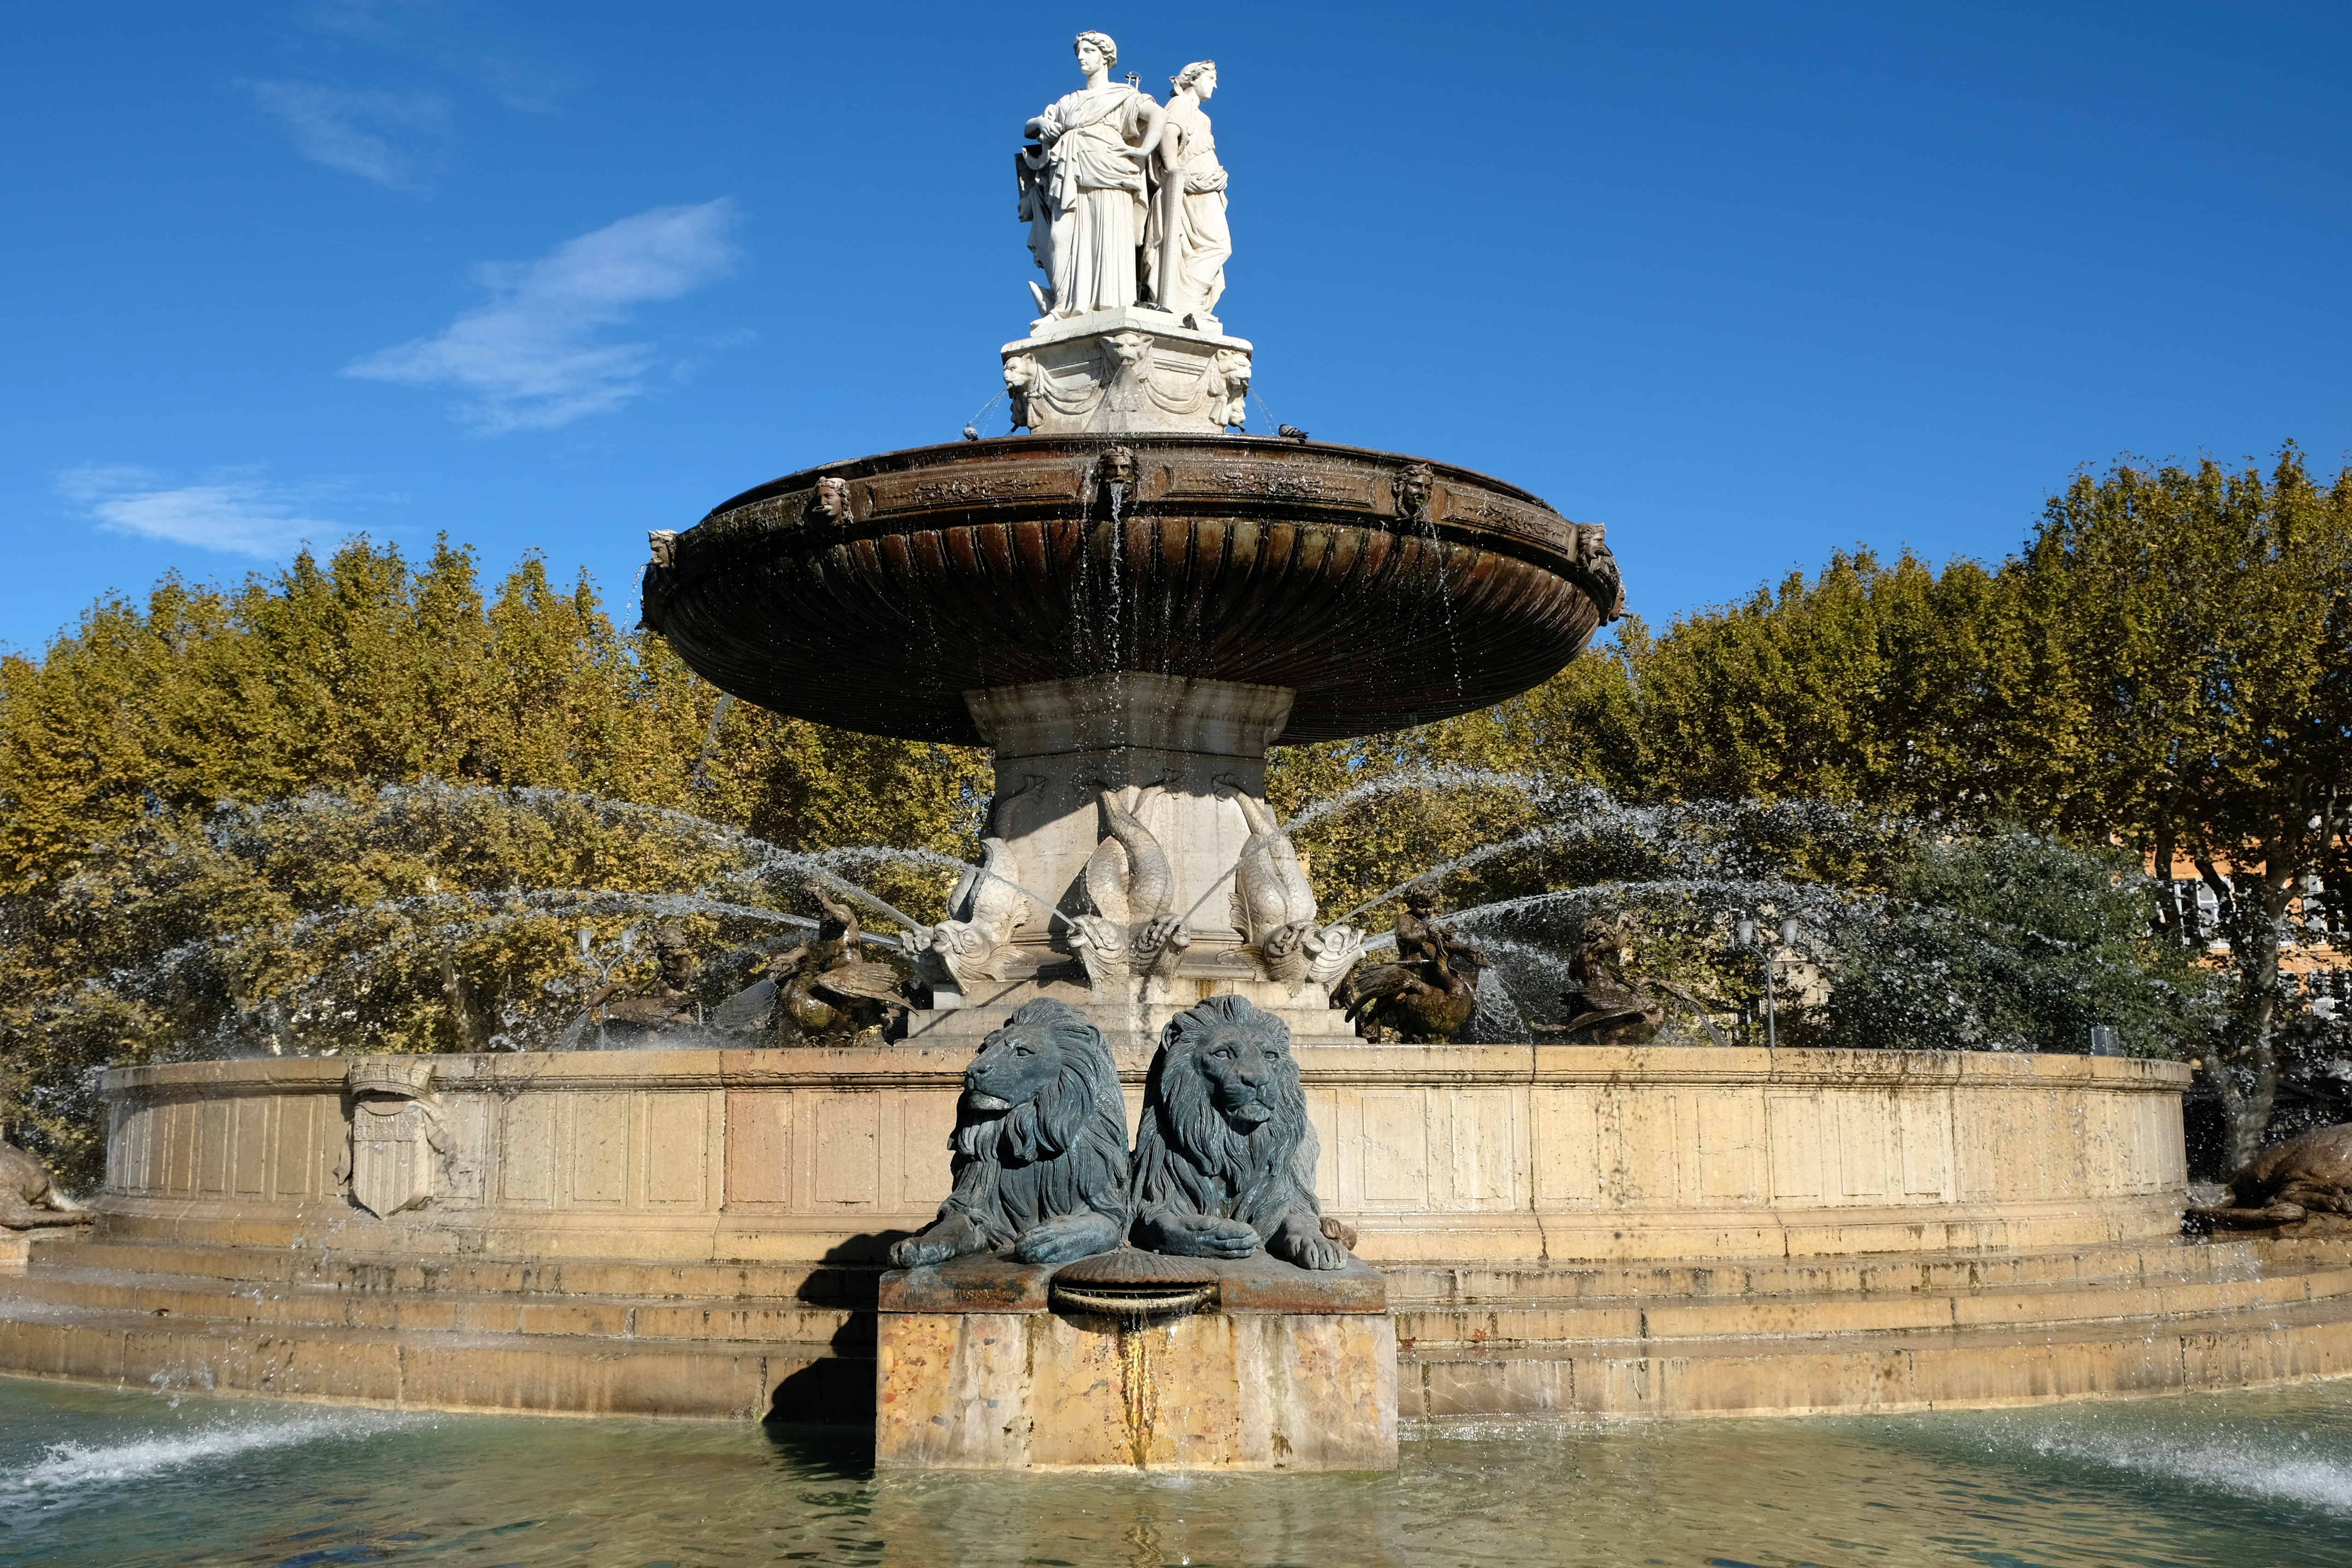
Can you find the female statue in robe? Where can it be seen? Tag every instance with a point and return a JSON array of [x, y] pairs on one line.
[[1186, 243], [1085, 191]]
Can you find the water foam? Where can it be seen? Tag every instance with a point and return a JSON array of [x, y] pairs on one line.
[[2247, 1466], [72, 1466]]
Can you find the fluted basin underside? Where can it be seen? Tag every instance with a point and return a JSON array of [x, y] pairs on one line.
[[1384, 591]]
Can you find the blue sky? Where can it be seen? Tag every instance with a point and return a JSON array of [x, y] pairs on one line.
[[1746, 283]]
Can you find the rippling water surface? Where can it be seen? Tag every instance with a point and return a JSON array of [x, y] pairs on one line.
[[88, 1476]]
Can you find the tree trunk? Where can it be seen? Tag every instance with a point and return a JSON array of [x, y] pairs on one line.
[[468, 1027], [2247, 1070]]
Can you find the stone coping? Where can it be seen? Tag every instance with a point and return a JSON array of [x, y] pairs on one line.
[[1403, 1066], [1047, 330], [989, 1282]]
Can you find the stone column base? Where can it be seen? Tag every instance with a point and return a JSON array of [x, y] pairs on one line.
[[1290, 1370]]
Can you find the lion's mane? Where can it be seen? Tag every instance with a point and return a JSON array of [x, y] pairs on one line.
[[1064, 1151], [1189, 1159]]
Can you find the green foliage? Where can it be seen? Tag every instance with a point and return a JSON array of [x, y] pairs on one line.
[[2013, 942], [221, 825], [2206, 624]]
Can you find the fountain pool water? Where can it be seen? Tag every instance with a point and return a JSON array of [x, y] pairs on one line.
[[122, 1479]]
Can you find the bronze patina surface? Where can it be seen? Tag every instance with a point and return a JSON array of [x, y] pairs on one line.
[[1386, 591]]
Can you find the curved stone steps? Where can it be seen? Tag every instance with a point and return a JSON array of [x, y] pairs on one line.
[[1800, 1315], [851, 1284], [2133, 1263], [1718, 1337], [195, 1298], [1759, 1375], [417, 1369]]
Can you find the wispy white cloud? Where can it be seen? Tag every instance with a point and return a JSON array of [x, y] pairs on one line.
[[237, 513], [530, 359], [391, 138], [520, 67]]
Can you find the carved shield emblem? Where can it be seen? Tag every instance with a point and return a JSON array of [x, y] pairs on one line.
[[395, 1135]]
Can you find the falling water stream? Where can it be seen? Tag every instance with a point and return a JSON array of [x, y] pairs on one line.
[[128, 1479]]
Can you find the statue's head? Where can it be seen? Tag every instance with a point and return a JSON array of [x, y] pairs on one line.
[[1042, 1042], [1227, 1057], [1043, 1087], [1606, 940], [1200, 77], [959, 937], [1422, 898], [1286, 940], [671, 951], [1104, 48]]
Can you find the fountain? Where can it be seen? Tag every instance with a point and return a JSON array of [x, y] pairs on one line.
[[1129, 605]]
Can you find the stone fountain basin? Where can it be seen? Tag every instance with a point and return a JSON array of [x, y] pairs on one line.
[[1385, 592]]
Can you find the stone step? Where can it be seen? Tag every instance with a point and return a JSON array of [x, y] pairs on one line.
[[1664, 1320], [440, 1302], [851, 1285], [419, 1369], [1842, 1373], [1844, 1369], [195, 1299], [2134, 1263]]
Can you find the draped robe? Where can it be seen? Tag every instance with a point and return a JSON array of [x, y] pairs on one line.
[[1093, 195], [1197, 249]]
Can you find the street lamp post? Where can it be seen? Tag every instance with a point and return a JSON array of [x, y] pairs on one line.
[[1743, 935]]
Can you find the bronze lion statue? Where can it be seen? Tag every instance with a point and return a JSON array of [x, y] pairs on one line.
[[1040, 1147], [2303, 1184], [1225, 1162]]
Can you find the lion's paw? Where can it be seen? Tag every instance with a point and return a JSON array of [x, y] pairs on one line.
[[1309, 1248], [919, 1252], [1205, 1235], [1066, 1238]]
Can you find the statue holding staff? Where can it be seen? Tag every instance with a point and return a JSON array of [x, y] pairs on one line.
[[1186, 242], [1082, 188]]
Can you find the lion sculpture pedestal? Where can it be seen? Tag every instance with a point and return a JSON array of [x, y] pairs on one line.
[[1073, 1307], [982, 1363]]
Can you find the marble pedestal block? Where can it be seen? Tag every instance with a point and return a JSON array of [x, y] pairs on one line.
[[1289, 1370], [1133, 369]]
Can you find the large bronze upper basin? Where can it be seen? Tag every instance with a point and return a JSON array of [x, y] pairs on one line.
[[1385, 591]]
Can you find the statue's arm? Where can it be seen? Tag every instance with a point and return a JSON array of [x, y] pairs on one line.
[[1152, 122]]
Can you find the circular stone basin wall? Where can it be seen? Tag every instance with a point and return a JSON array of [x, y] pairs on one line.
[[1441, 1153], [1382, 590]]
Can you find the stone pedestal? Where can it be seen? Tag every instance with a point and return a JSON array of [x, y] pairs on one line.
[[1134, 369], [1180, 751], [1289, 1370]]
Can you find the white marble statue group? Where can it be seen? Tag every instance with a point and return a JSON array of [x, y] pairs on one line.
[[1124, 200]]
